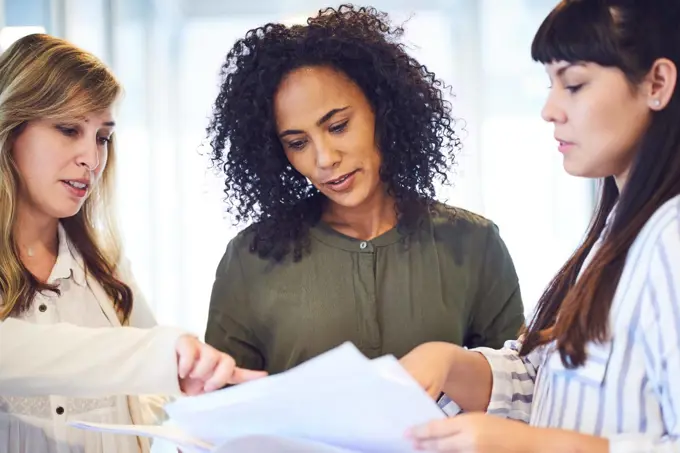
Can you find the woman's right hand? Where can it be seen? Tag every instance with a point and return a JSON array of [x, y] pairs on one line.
[[429, 364], [202, 368]]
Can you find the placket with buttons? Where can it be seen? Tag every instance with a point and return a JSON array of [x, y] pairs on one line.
[[46, 313], [370, 329]]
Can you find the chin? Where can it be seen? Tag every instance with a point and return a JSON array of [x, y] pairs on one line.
[[64, 212], [65, 215], [580, 170], [347, 200]]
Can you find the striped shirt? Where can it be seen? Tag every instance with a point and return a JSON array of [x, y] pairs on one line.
[[629, 388]]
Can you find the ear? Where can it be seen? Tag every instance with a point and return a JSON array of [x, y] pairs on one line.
[[660, 83]]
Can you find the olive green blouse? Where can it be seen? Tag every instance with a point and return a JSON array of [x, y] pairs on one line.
[[451, 280]]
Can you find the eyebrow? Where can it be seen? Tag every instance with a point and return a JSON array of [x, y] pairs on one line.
[[106, 123], [560, 72], [319, 122]]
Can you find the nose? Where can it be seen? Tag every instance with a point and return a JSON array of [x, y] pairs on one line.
[[88, 156], [326, 155], [552, 112]]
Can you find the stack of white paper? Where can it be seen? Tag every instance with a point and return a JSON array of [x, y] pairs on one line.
[[337, 402]]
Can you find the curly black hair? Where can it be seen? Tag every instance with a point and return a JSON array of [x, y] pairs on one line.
[[414, 128]]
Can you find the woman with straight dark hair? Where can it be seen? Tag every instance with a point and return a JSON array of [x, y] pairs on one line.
[[597, 368]]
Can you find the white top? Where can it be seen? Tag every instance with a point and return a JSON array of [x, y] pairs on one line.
[[629, 388], [44, 353]]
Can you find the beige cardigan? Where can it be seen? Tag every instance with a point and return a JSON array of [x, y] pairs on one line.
[[138, 359]]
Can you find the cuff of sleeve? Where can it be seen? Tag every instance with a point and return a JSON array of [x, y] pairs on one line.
[[502, 389], [164, 371], [498, 403]]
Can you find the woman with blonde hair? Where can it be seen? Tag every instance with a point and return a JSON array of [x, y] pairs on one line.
[[76, 338]]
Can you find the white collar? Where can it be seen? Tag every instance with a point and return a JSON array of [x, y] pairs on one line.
[[69, 261]]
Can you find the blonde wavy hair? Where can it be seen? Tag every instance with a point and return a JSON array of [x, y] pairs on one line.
[[43, 77]]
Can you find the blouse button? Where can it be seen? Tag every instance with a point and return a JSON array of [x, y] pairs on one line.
[[42, 308], [363, 245], [60, 410]]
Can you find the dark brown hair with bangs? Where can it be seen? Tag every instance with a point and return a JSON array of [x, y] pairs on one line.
[[629, 35]]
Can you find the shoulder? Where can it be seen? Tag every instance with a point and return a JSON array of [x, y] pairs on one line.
[[142, 315], [242, 241], [658, 244], [663, 227], [650, 283], [652, 265], [275, 236], [237, 255], [659, 236], [306, 211], [452, 221], [469, 237]]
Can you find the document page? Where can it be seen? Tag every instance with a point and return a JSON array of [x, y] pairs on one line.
[[339, 399]]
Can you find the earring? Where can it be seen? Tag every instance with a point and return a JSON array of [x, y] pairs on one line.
[[656, 103]]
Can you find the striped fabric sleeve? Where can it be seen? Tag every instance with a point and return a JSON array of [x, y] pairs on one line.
[[513, 380], [659, 333]]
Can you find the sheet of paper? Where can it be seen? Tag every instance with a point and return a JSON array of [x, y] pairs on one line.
[[272, 444], [331, 366], [339, 399], [389, 368], [166, 432]]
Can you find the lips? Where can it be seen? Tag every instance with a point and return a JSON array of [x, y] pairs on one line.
[[562, 141], [77, 184], [78, 188], [340, 180]]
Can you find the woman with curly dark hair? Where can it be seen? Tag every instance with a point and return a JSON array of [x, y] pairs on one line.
[[331, 138]]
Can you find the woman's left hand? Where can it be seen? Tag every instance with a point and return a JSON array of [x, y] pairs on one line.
[[475, 433]]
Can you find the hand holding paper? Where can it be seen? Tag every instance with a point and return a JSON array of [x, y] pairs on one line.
[[202, 368], [340, 399]]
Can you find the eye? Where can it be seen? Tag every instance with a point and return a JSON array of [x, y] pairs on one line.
[[297, 144], [104, 140], [339, 127], [573, 88], [68, 131]]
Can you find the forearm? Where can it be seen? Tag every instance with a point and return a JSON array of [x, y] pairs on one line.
[[469, 379], [106, 361], [497, 381]]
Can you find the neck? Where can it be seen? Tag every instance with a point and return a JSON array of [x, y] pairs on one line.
[[372, 218], [622, 178], [620, 182], [35, 234]]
